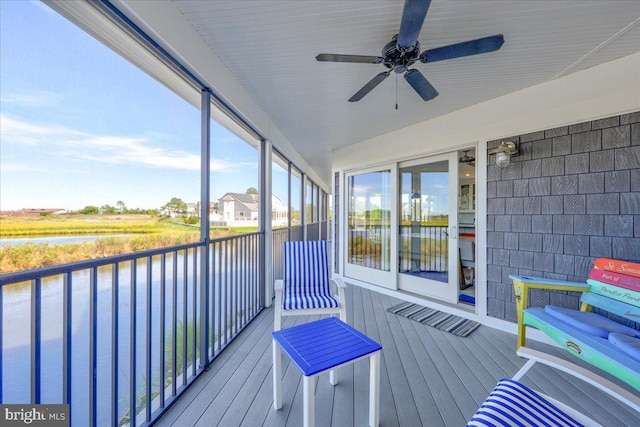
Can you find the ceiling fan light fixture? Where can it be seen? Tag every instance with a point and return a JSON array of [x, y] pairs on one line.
[[467, 159]]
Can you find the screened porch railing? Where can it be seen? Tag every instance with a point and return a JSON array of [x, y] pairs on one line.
[[280, 235], [367, 247], [313, 231], [129, 331], [296, 233], [427, 251]]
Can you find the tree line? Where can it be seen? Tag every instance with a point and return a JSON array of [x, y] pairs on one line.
[[174, 207], [119, 208]]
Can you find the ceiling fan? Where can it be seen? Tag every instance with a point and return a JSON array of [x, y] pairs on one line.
[[404, 50], [467, 159]]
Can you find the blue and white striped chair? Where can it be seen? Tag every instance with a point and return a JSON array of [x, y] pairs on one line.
[[512, 403], [306, 287]]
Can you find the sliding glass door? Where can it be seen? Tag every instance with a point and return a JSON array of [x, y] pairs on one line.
[[427, 230]]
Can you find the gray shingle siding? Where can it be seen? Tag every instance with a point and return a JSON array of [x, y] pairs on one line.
[[572, 195]]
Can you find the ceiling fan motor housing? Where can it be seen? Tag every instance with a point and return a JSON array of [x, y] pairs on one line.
[[397, 60], [404, 50]]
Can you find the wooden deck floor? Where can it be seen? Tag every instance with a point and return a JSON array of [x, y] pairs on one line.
[[428, 377]]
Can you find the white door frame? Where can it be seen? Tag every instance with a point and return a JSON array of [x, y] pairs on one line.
[[431, 288]]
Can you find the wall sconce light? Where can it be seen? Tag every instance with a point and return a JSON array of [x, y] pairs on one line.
[[503, 153]]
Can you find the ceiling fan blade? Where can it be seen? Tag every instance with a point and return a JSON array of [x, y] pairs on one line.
[[420, 84], [458, 50], [379, 78], [413, 15], [361, 59]]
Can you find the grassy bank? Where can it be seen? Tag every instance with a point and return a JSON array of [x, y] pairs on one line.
[[30, 256], [145, 232], [75, 224]]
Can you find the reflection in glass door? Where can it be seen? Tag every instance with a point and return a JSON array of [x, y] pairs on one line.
[[369, 220], [426, 220], [368, 242]]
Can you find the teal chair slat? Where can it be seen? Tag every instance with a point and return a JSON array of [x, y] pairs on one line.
[[612, 306]]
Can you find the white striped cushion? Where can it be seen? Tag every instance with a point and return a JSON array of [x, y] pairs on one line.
[[513, 404], [306, 276]]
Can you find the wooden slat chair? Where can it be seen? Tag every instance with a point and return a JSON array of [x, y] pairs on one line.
[[306, 287], [594, 338]]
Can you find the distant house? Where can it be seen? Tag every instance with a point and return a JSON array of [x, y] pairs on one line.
[[243, 209], [193, 209], [238, 207], [279, 211]]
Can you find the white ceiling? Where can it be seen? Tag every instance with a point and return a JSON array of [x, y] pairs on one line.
[[270, 48]]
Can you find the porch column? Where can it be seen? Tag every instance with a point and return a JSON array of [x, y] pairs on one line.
[[264, 220], [205, 166], [340, 218], [289, 209], [303, 206]]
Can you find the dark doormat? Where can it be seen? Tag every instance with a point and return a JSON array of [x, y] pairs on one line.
[[444, 321]]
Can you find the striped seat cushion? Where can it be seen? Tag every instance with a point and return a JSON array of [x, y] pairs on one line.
[[306, 276], [514, 404]]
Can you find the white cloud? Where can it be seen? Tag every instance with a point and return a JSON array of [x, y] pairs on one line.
[[111, 149], [33, 100], [224, 166], [9, 167], [18, 132]]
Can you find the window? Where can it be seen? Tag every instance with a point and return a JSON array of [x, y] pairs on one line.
[[280, 189], [308, 213], [89, 142], [295, 203], [234, 174]]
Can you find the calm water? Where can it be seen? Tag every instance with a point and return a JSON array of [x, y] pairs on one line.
[[16, 342], [16, 319], [55, 240]]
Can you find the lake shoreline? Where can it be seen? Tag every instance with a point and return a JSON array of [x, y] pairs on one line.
[[114, 235], [29, 256], [77, 224]]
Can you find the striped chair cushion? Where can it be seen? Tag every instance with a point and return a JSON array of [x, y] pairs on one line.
[[514, 404], [306, 276]]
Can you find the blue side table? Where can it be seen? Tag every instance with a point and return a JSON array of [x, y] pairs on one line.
[[321, 346]]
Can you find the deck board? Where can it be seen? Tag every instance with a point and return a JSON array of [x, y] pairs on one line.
[[427, 377], [397, 369], [439, 371], [420, 369]]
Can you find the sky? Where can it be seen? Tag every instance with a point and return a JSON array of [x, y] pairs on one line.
[[434, 190], [79, 125]]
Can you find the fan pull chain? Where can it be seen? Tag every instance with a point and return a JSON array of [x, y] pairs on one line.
[[396, 91]]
